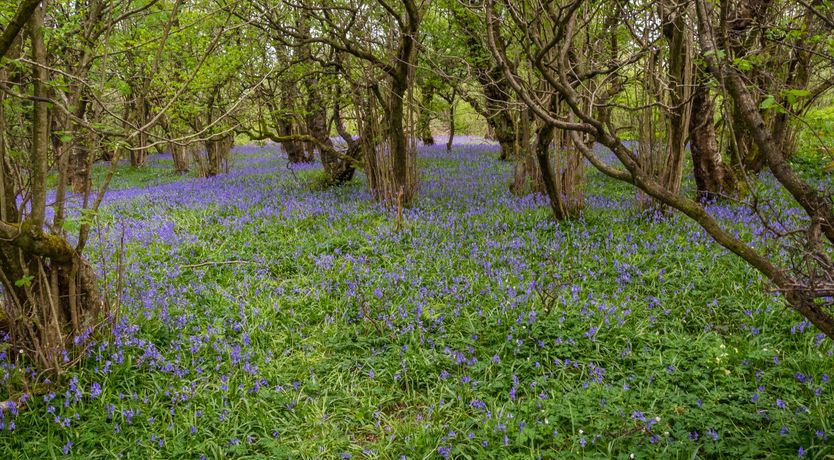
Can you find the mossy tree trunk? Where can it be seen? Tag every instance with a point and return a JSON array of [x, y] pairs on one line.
[[50, 294]]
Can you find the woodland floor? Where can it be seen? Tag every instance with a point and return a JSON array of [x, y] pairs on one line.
[[265, 316]]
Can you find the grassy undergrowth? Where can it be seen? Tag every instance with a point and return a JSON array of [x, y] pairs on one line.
[[264, 317]]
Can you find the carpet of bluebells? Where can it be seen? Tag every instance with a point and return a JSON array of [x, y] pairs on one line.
[[264, 315]]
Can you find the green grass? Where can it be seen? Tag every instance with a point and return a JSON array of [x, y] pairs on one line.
[[351, 331]]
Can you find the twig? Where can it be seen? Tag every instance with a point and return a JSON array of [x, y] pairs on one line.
[[223, 262]]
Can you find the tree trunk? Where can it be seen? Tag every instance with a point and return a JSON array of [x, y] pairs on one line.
[[140, 153], [526, 176], [712, 177], [451, 140], [424, 122], [680, 74], [400, 184], [544, 139], [402, 179], [347, 165], [40, 121], [8, 202], [48, 302], [218, 151], [25, 10], [180, 157], [296, 150], [495, 87], [316, 119], [79, 154], [745, 155], [499, 119], [369, 129]]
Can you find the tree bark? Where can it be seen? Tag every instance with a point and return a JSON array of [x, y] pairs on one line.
[[58, 300], [451, 139], [497, 105], [218, 151], [526, 176], [396, 129], [139, 154], [347, 165], [316, 119], [8, 204], [40, 121], [180, 158], [496, 89], [403, 178], [24, 12], [295, 150], [712, 177], [424, 122], [680, 74], [544, 139], [79, 153]]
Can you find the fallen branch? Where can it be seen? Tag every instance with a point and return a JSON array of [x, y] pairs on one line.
[[222, 262]]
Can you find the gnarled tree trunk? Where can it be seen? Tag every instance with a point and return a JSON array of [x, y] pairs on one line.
[[180, 157], [218, 152], [499, 118], [285, 125], [526, 175], [50, 295], [342, 171], [712, 177]]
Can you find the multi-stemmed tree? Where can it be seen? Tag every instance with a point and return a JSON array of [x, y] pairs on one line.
[[65, 106], [658, 40], [384, 39]]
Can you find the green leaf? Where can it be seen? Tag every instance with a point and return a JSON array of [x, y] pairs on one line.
[[768, 103], [25, 281], [796, 92], [64, 136], [742, 64], [70, 224], [792, 95]]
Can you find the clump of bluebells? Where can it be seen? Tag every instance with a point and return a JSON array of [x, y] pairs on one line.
[[265, 317]]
